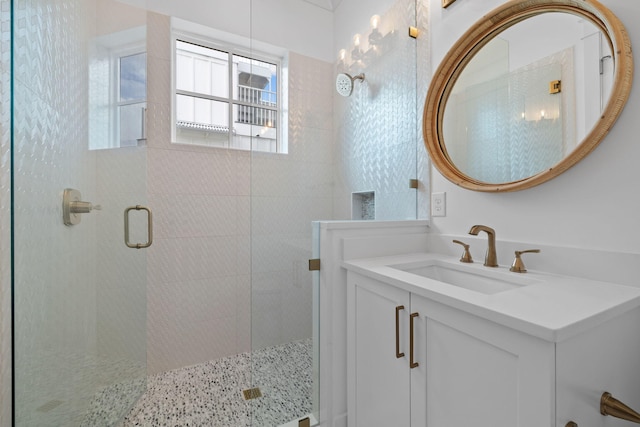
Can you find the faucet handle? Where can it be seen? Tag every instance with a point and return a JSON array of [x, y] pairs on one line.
[[466, 256], [518, 265]]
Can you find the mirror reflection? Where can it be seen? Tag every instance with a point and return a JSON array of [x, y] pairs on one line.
[[528, 98]]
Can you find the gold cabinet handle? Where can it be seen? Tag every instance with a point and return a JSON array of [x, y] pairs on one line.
[[149, 227], [412, 364], [398, 354]]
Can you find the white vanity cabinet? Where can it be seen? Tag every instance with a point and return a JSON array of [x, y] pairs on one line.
[[475, 372], [470, 372], [378, 383], [479, 373]]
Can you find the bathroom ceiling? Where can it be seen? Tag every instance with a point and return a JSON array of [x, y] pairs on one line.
[[325, 4]]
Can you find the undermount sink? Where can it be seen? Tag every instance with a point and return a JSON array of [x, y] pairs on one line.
[[487, 281]]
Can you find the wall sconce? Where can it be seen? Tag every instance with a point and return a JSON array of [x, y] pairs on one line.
[[342, 56], [374, 45], [375, 36], [539, 108], [356, 53]]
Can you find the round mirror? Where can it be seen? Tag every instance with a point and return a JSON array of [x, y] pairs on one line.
[[526, 93]]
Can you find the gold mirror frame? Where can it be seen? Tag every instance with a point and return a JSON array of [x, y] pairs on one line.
[[479, 35]]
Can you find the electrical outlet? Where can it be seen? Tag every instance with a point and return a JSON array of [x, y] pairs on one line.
[[439, 204]]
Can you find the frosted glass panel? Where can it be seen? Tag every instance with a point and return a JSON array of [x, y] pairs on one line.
[[80, 294]]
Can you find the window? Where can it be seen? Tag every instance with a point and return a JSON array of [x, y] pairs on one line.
[[131, 98], [117, 90], [225, 98]]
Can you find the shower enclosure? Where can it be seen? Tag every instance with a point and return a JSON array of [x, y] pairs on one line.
[[79, 293], [156, 249]]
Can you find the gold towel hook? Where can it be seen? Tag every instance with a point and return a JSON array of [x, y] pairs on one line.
[[609, 405]]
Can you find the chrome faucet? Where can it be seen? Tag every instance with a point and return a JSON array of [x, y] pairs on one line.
[[490, 259]]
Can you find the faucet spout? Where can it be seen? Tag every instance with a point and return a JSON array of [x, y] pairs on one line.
[[491, 258]]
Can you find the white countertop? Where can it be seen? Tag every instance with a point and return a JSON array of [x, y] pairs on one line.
[[550, 307]]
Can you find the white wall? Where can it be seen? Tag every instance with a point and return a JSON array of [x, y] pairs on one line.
[[291, 24], [561, 31], [594, 205]]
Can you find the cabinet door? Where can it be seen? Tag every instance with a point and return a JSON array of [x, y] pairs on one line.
[[378, 383], [478, 373], [601, 359]]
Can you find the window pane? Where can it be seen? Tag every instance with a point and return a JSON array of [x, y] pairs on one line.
[[184, 72], [202, 122], [133, 77], [201, 113], [202, 69], [261, 117], [131, 124], [257, 81], [255, 128]]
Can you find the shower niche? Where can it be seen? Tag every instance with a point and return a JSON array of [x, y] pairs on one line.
[[363, 205]]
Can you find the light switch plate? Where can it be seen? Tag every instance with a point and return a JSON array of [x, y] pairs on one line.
[[439, 204]]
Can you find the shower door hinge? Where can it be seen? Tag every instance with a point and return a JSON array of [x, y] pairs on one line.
[[413, 32], [305, 422], [314, 264], [413, 183]]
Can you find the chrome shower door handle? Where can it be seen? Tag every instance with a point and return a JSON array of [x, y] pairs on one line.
[[149, 227]]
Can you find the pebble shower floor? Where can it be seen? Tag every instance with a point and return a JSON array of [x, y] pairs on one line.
[[210, 394]]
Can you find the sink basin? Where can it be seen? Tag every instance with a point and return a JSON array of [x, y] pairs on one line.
[[463, 276]]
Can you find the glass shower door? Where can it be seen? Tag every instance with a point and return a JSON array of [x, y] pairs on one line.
[[342, 158], [79, 292], [290, 189]]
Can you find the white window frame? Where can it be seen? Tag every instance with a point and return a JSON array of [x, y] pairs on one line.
[[231, 49], [114, 95], [104, 84]]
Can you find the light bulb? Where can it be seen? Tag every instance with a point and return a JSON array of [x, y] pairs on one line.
[[356, 40], [375, 21], [342, 54]]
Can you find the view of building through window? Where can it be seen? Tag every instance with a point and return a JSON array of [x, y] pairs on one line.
[[226, 99]]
